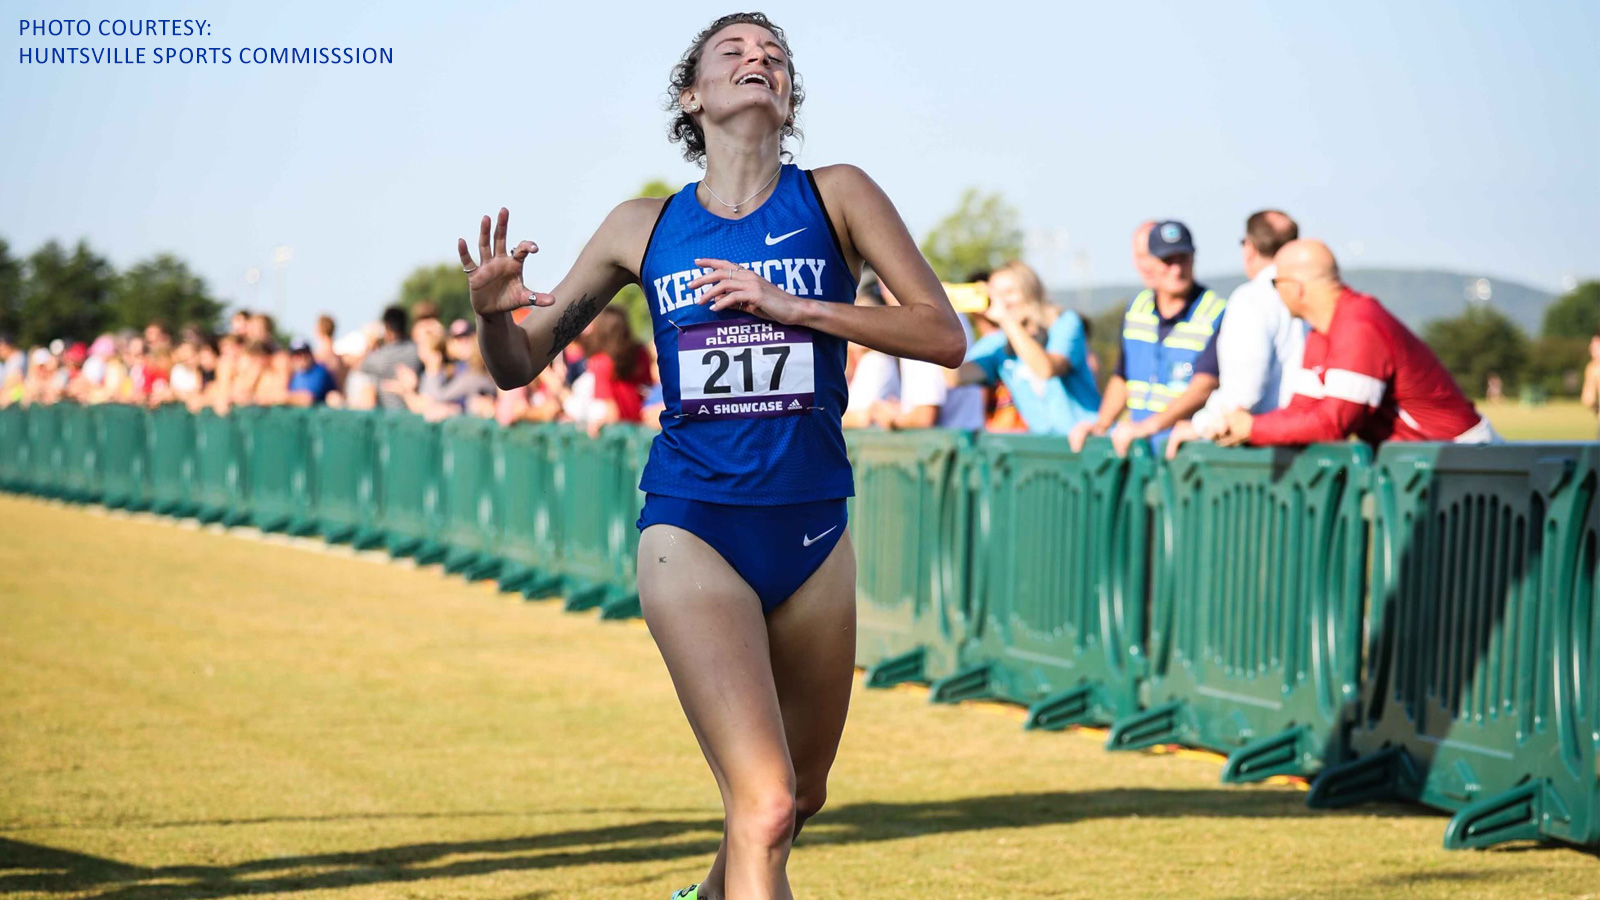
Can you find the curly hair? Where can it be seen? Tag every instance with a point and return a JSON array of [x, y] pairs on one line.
[[683, 126]]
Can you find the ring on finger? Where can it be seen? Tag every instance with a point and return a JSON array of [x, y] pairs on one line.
[[469, 271]]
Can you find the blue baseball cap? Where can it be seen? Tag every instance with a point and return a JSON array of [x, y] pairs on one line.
[[1169, 239]]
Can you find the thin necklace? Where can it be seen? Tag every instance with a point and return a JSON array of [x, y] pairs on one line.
[[735, 206]]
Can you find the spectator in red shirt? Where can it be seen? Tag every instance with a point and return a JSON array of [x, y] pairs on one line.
[[1363, 373], [76, 385], [621, 369]]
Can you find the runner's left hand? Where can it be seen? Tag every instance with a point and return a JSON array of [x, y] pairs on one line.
[[730, 286]]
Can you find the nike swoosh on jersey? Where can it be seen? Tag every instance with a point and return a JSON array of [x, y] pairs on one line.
[[808, 540], [782, 237]]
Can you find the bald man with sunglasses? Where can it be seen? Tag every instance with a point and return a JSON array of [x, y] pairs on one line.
[[1363, 373]]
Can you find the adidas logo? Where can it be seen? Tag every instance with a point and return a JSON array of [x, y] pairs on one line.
[[794, 404]]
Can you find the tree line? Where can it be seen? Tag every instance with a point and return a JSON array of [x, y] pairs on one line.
[[1483, 343], [76, 294], [1477, 346]]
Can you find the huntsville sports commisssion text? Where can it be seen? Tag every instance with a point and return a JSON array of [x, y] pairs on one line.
[[261, 56]]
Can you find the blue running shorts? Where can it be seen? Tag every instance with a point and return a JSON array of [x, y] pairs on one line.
[[773, 548]]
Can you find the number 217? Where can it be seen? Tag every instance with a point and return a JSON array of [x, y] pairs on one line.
[[745, 358]]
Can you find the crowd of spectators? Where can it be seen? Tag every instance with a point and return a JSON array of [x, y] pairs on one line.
[[1293, 356], [401, 362]]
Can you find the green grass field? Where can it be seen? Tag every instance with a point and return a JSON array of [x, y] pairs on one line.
[[1563, 420], [187, 714]]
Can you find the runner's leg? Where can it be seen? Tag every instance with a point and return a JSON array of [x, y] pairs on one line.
[[712, 635], [812, 637], [813, 641]]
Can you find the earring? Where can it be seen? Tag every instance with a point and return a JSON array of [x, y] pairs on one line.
[[692, 109]]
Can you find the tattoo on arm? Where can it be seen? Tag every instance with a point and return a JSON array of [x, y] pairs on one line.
[[573, 319]]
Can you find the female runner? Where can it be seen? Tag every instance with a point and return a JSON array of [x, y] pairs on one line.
[[746, 571]]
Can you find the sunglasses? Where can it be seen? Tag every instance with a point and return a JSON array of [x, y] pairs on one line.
[[1277, 281]]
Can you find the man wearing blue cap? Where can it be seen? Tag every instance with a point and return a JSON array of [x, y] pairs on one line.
[[1165, 330], [311, 383]]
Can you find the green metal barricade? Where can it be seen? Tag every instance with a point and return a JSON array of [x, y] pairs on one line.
[[45, 459], [221, 482], [591, 544], [469, 487], [277, 452], [172, 460], [1257, 604], [14, 450], [633, 453], [1059, 585], [344, 470], [123, 435], [79, 480], [529, 459], [408, 458], [1481, 693], [910, 521]]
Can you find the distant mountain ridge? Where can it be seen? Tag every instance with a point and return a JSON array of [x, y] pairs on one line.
[[1416, 296]]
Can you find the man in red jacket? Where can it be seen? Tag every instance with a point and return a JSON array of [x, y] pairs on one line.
[[1363, 373]]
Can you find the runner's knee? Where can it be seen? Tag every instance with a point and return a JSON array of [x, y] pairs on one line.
[[764, 817]]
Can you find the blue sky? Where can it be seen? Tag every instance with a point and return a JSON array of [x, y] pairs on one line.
[[1420, 134]]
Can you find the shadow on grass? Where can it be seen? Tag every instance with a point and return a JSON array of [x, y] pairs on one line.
[[1407, 883], [347, 817], [31, 867]]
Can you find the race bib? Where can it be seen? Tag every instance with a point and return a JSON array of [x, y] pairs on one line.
[[744, 369]]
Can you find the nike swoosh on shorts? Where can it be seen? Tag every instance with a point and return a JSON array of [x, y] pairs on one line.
[[782, 237], [808, 540]]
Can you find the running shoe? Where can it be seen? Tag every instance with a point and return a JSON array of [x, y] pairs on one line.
[[692, 892]]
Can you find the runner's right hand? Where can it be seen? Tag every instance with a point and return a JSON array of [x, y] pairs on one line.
[[496, 281]]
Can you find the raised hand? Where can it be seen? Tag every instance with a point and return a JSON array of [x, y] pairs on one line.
[[496, 281]]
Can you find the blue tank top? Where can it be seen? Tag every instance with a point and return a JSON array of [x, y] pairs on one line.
[[752, 407]]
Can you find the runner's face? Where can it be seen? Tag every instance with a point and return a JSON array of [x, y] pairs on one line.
[[743, 67]]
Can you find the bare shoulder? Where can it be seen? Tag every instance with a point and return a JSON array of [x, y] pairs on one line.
[[639, 210], [627, 228], [631, 217], [841, 179], [854, 201]]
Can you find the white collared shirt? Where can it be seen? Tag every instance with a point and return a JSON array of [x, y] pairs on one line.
[[923, 384], [877, 377], [1258, 347]]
